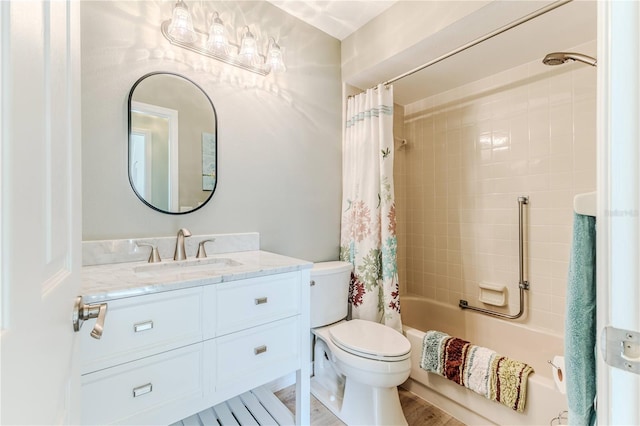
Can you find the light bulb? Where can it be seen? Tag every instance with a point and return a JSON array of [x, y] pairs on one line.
[[181, 27], [248, 48], [218, 40], [275, 61]]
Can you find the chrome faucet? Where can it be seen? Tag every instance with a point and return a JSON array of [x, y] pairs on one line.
[[180, 253]]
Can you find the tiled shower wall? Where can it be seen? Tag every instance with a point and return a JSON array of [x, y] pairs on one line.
[[471, 153]]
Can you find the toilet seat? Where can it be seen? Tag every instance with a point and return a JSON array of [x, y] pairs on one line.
[[370, 340]]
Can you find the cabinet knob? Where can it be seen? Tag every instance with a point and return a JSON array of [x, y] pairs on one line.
[[82, 312], [261, 300], [260, 350]]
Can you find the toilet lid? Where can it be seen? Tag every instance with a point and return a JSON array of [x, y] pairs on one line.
[[370, 340]]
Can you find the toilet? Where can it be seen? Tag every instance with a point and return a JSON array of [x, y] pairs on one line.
[[357, 364]]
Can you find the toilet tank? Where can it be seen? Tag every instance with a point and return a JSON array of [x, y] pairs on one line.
[[329, 292]]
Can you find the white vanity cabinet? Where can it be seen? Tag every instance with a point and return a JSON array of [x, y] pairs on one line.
[[165, 356]]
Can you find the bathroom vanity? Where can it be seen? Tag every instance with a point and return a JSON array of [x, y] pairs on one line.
[[181, 337]]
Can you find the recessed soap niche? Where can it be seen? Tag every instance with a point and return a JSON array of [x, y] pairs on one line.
[[492, 294]]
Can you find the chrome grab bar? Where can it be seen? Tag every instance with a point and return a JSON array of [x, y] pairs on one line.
[[522, 284]]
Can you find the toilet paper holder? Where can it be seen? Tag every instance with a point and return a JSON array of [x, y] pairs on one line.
[[558, 369], [553, 365], [559, 378]]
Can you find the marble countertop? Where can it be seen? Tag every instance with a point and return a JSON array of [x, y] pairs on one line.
[[119, 280]]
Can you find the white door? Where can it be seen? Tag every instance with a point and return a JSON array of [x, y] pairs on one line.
[[40, 212], [618, 221]]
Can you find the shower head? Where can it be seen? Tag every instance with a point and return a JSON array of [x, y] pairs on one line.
[[559, 58]]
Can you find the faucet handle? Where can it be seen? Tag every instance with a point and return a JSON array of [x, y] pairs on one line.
[[201, 251], [154, 256]]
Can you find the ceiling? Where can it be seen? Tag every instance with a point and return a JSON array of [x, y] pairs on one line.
[[560, 29], [338, 18]]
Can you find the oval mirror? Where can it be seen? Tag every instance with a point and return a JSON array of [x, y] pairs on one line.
[[172, 143]]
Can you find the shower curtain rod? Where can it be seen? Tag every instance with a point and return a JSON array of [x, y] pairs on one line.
[[481, 39]]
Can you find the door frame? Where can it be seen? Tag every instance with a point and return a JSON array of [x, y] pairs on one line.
[[173, 145], [618, 222]]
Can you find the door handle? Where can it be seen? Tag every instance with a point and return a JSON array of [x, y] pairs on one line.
[[82, 312]]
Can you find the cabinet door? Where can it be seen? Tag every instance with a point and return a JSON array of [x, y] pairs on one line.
[[140, 326]]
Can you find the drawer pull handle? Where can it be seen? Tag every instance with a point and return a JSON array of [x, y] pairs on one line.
[[141, 390], [142, 326], [261, 300], [260, 350]]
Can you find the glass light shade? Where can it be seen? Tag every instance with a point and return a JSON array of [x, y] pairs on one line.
[[249, 48], [181, 27], [275, 62], [218, 40]]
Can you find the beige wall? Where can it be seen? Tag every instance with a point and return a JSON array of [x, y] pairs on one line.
[[279, 137], [472, 151]]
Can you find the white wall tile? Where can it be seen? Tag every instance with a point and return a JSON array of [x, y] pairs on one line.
[[534, 135]]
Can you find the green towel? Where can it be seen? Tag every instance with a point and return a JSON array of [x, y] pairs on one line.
[[580, 323], [433, 351]]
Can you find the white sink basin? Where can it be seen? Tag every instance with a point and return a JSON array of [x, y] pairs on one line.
[[208, 263]]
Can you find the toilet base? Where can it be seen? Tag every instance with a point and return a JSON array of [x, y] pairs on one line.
[[361, 404]]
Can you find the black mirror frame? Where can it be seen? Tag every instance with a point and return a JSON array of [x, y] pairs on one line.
[[215, 117]]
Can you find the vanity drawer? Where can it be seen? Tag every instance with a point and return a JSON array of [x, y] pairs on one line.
[[259, 354], [144, 325], [246, 303], [135, 392]]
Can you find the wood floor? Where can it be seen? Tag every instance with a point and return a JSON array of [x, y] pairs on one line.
[[417, 411]]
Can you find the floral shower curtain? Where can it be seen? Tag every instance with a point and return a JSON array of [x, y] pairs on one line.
[[368, 231]]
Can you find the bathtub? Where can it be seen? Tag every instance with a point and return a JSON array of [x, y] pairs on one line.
[[508, 338]]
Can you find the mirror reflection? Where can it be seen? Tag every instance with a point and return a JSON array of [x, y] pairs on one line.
[[172, 143]]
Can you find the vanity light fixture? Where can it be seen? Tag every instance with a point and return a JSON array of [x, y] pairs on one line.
[[215, 44]]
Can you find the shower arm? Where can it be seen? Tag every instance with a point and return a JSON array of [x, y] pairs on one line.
[[523, 285]]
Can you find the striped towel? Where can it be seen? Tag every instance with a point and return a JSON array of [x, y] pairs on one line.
[[479, 369], [433, 352], [454, 358]]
